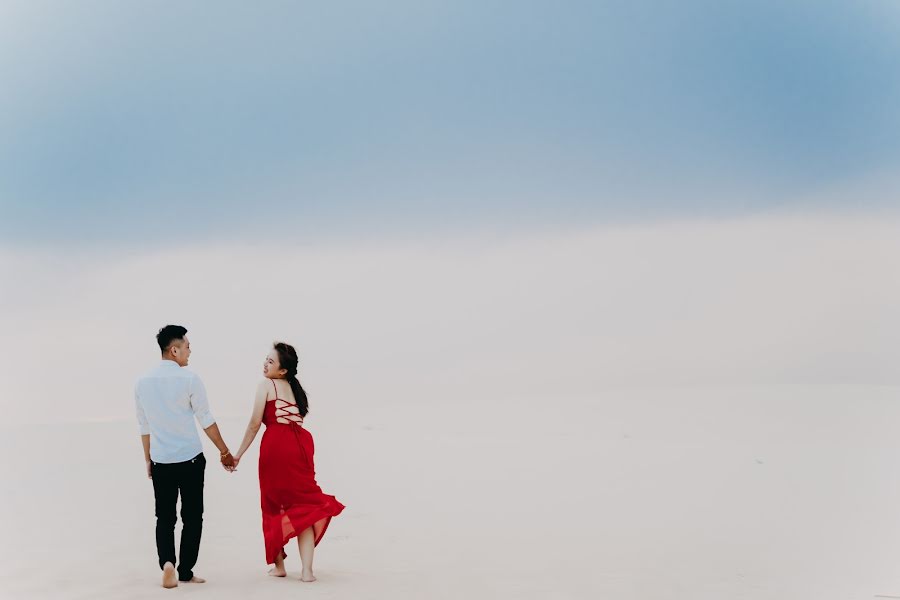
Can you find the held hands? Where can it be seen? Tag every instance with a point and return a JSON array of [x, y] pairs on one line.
[[229, 463]]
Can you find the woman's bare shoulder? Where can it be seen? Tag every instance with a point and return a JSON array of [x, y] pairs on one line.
[[264, 385]]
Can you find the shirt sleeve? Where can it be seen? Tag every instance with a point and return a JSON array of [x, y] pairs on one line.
[[143, 425], [200, 404]]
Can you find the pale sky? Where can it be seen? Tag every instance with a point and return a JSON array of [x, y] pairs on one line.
[[131, 123]]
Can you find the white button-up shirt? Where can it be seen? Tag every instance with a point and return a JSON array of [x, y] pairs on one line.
[[168, 399]]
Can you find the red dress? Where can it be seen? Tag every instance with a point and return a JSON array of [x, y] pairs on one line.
[[290, 497]]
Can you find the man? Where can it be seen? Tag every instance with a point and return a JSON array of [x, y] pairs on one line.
[[168, 399]]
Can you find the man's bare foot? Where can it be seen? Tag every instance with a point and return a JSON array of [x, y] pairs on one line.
[[196, 579], [307, 577], [170, 577]]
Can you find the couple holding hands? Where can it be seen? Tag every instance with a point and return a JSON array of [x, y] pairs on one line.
[[169, 398]]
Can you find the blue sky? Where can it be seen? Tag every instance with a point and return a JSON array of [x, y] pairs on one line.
[[144, 122]]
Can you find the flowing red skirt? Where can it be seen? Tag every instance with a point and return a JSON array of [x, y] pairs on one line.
[[291, 499]]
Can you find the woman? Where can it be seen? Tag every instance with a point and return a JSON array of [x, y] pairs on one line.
[[293, 505]]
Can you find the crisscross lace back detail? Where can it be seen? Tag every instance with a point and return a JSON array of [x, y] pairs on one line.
[[286, 412]]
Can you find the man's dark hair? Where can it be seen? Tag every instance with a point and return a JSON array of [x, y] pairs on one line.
[[169, 334]]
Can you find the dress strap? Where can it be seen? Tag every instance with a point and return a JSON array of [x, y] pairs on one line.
[[276, 389]]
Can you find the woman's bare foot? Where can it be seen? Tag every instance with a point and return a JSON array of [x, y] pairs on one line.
[[196, 579], [170, 577], [306, 542], [278, 569]]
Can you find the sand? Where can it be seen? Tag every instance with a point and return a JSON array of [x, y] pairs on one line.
[[702, 493]]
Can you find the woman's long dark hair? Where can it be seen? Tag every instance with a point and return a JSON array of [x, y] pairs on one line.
[[287, 358]]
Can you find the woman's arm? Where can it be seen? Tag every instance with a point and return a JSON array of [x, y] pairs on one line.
[[259, 407]]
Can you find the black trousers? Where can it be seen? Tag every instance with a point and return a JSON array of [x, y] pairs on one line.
[[168, 480]]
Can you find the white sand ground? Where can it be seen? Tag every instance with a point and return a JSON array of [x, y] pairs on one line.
[[606, 413], [701, 493]]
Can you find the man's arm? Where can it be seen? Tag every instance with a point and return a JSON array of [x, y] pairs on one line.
[[200, 406], [213, 433], [145, 440], [144, 427]]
